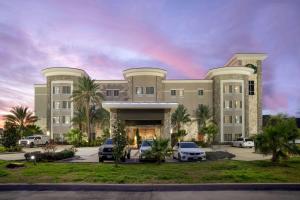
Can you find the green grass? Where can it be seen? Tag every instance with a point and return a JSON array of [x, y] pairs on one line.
[[225, 171]]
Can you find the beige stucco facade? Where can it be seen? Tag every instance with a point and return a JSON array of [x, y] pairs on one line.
[[145, 99]]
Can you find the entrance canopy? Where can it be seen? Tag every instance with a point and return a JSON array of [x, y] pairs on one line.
[[138, 105]]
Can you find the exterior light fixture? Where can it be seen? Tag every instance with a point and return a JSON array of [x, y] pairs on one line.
[[33, 158]]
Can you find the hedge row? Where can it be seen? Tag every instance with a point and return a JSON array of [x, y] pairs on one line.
[[50, 156]]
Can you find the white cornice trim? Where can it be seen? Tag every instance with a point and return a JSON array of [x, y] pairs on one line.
[[247, 56], [144, 72], [111, 81], [56, 71], [187, 81], [40, 85], [229, 70], [138, 105]]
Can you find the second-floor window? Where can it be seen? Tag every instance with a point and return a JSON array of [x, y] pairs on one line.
[[238, 119], [55, 120], [66, 119], [227, 119], [139, 90], [149, 90]]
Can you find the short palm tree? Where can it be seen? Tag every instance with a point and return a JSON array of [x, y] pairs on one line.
[[86, 95], [159, 150], [278, 138], [180, 117], [21, 118], [202, 115]]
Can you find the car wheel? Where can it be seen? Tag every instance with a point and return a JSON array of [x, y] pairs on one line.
[[46, 143], [100, 159], [128, 155], [31, 145], [241, 146]]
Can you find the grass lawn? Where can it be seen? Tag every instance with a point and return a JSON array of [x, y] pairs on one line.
[[225, 171]]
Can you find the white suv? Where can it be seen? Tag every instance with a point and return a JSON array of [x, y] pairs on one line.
[[243, 142], [35, 140]]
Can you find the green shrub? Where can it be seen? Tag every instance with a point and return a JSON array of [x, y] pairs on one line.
[[10, 137], [51, 156], [2, 149]]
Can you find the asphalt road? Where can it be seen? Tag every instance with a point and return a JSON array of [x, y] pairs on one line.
[[209, 195]]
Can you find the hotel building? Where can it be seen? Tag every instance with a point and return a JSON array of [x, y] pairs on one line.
[[145, 99]]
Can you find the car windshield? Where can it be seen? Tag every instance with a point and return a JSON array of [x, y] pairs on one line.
[[109, 141], [248, 140], [188, 145], [30, 137], [147, 143]]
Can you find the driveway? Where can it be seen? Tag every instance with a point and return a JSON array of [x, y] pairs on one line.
[[89, 154]]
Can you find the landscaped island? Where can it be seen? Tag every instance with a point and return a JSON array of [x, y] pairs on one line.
[[225, 171]]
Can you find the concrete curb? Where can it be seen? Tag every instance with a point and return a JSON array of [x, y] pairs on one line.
[[151, 187]]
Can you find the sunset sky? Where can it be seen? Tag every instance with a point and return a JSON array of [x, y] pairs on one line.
[[187, 38]]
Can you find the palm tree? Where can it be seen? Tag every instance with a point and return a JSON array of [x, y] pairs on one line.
[[21, 118], [79, 119], [278, 138], [100, 116], [180, 117], [202, 115], [86, 95], [159, 150]]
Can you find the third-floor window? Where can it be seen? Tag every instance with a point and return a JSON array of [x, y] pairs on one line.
[[251, 88], [111, 93]]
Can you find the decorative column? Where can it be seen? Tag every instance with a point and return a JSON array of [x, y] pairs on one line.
[[166, 134], [113, 119]]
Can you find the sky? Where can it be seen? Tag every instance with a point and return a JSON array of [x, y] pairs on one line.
[[187, 38]]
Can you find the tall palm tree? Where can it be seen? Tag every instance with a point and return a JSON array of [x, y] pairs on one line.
[[202, 115], [86, 95], [100, 116], [180, 117], [21, 118]]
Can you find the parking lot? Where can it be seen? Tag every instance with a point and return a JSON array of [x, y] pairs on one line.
[[90, 154]]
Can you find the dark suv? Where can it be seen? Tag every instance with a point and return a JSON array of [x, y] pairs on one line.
[[106, 151]]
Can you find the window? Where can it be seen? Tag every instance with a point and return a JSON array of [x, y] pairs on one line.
[[227, 137], [139, 90], [251, 87], [241, 89], [238, 104], [66, 119], [149, 90], [56, 90], [66, 104], [200, 92], [55, 120], [181, 92], [227, 119], [173, 92], [66, 90], [228, 104], [116, 93], [56, 104], [236, 89], [238, 119], [230, 88], [111, 93]]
